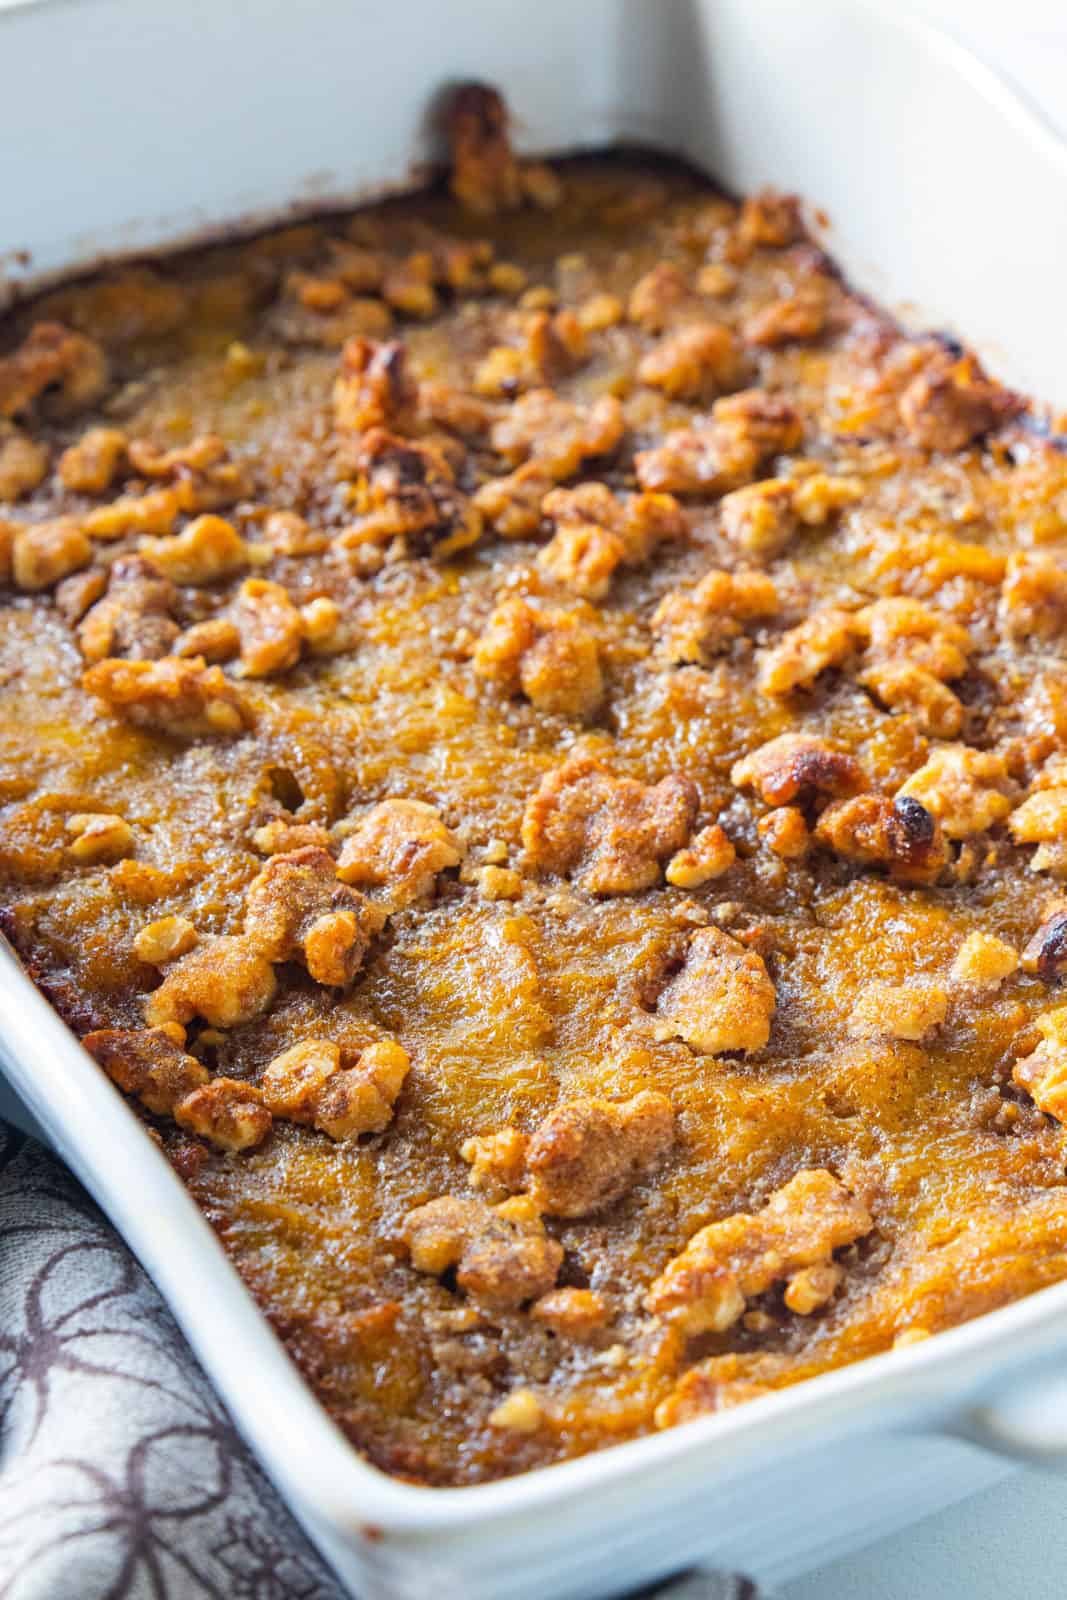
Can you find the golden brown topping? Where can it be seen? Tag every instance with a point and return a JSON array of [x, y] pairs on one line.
[[512, 505], [900, 629], [215, 640], [408, 285], [717, 1384], [400, 845], [809, 1289], [550, 656], [73, 595], [760, 518], [225, 1112], [155, 512], [165, 940], [296, 908], [270, 628], [1033, 597], [23, 463], [1046, 953], [951, 403], [497, 1162], [149, 1063], [770, 218], [658, 296], [708, 855], [279, 835], [596, 533], [794, 317], [899, 1011], [722, 998], [611, 835], [92, 465], [207, 549], [587, 1153], [798, 767], [186, 699], [965, 789], [310, 1083], [521, 1412], [45, 552], [875, 831], [373, 388], [502, 1255], [692, 625], [705, 1288], [984, 960], [408, 500], [600, 311], [1042, 820], [552, 345], [825, 639], [745, 429], [558, 434], [98, 836], [64, 370], [577, 1314], [226, 981], [1043, 1073], [454, 410], [203, 473], [695, 363], [133, 618], [902, 686], [785, 831], [485, 174]]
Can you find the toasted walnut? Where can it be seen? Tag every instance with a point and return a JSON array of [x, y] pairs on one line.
[[577, 1314], [310, 1083], [695, 363], [792, 318], [186, 699], [279, 835], [1033, 597], [596, 533], [1042, 820], [408, 500], [1043, 1073], [215, 640], [900, 629], [556, 433], [600, 311], [373, 388], [659, 296], [899, 1011], [98, 836], [44, 552], [400, 845], [512, 505], [226, 981], [485, 174], [133, 618], [745, 429], [227, 1113], [92, 465], [798, 767], [74, 595], [62, 369], [964, 789], [497, 1162], [165, 940], [502, 1255], [152, 513], [785, 830], [705, 1288], [290, 535], [148, 1063], [718, 1384], [454, 409], [550, 656], [521, 1412], [721, 1000], [769, 218], [984, 961], [204, 476], [873, 830], [902, 686], [208, 549], [611, 835], [1046, 953], [588, 1152], [760, 518], [269, 626], [297, 909], [551, 345], [23, 463], [708, 855], [951, 403], [825, 639], [819, 497], [692, 625], [408, 285]]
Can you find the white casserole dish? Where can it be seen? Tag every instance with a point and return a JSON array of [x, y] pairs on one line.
[[133, 126]]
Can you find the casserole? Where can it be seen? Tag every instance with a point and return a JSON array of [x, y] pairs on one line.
[[396, 1560]]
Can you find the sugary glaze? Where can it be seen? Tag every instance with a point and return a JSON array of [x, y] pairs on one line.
[[638, 1068]]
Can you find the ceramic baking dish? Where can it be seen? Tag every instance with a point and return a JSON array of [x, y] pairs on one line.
[[130, 126]]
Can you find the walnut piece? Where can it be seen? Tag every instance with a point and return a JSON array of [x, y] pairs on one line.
[[164, 940], [558, 434], [550, 656], [721, 1000], [207, 549], [1033, 597], [44, 552], [99, 836], [408, 503], [826, 639], [502, 1255], [744, 431], [718, 1384], [898, 834], [965, 789], [984, 961], [951, 403], [693, 625], [23, 463], [64, 370], [185, 699], [578, 1314], [133, 619], [400, 845], [1043, 1073], [899, 1011], [270, 628], [148, 1063], [695, 363], [227, 1113], [597, 532], [708, 855], [226, 981], [798, 767], [311, 1083], [92, 465], [1046, 952], [588, 1152], [297, 909], [512, 505], [374, 388]]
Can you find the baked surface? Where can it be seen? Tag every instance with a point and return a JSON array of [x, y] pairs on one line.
[[668, 978]]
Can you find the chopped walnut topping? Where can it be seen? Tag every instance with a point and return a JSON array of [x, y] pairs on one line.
[[23, 463], [798, 767], [1042, 820], [521, 1412], [708, 855], [578, 1314], [227, 1113], [207, 549], [1043, 1073], [92, 465], [695, 363], [761, 518], [809, 1289], [502, 1255], [512, 505], [74, 595], [186, 699], [912, 653], [309, 1083], [276, 837], [721, 1000], [408, 500], [215, 640], [149, 1063], [600, 311], [497, 1162], [62, 369], [964, 789], [408, 285], [1046, 953], [588, 1152], [717, 1384], [296, 908], [152, 513], [400, 845], [951, 403], [269, 626], [226, 981], [745, 429], [165, 940], [556, 433], [552, 345], [785, 830], [550, 656], [902, 686], [771, 219], [98, 836], [373, 388], [203, 473], [984, 961], [899, 1011], [794, 317], [873, 830], [44, 552], [454, 410], [705, 1288], [133, 618], [596, 533], [1033, 597], [825, 639], [659, 296], [485, 174], [611, 835], [692, 625]]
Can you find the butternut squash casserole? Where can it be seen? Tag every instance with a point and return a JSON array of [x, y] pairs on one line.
[[534, 752]]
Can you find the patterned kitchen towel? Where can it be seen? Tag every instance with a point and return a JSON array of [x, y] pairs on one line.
[[121, 1476]]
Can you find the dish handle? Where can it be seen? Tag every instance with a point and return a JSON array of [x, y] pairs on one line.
[[1024, 1421]]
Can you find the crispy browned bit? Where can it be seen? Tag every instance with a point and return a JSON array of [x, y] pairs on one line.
[[693, 625], [550, 656], [951, 403], [784, 829], [587, 1153], [62, 370], [92, 465], [502, 1255], [186, 699], [611, 835], [874, 830], [374, 388], [1046, 952], [745, 430], [798, 767], [227, 1113], [297, 909], [1043, 1073], [134, 617], [225, 980], [966, 790], [722, 999], [408, 500], [550, 346], [149, 1063], [311, 1083], [705, 1288], [485, 174], [557, 434], [400, 846], [23, 463]]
